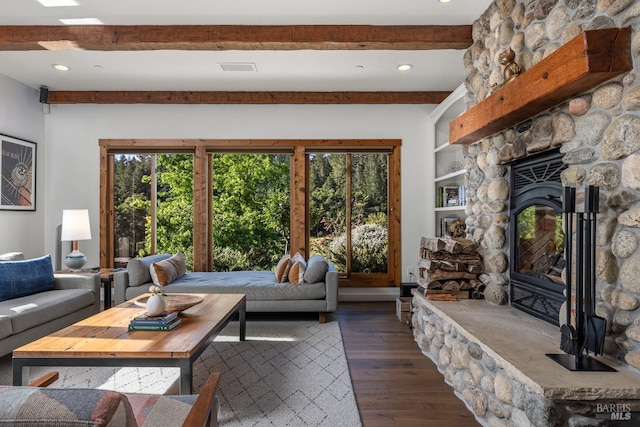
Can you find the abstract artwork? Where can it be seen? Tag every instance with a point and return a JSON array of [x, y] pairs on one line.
[[18, 172]]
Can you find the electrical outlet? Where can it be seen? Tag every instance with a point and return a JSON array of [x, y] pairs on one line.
[[409, 271]]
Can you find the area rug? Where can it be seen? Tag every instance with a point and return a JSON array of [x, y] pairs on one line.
[[287, 373]]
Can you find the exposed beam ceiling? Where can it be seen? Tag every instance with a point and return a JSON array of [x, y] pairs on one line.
[[234, 37], [237, 37], [277, 51], [184, 97]]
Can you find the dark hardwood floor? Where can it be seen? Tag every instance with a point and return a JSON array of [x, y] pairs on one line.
[[394, 383]]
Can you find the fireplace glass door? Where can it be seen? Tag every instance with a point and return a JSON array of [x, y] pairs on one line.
[[539, 243], [536, 285], [536, 239]]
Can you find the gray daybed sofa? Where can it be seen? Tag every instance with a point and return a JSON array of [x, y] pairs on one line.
[[25, 318], [263, 292]]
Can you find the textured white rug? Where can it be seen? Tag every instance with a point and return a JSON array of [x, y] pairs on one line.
[[287, 373]]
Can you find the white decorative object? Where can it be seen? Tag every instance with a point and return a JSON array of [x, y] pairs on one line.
[[155, 305]]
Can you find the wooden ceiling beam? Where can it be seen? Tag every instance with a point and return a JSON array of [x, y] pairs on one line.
[[183, 97], [234, 37]]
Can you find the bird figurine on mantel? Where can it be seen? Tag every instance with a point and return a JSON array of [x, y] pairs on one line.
[[511, 68]]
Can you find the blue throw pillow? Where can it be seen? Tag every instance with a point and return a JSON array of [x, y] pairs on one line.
[[22, 278]]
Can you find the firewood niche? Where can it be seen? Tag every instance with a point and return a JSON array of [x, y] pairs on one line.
[[449, 269], [584, 62]]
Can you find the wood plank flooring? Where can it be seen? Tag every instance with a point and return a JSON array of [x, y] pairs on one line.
[[394, 383]]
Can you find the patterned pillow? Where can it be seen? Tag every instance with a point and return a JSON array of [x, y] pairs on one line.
[[296, 272], [166, 271], [282, 269], [26, 277], [36, 407]]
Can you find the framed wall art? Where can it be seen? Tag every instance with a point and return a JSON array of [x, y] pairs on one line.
[[18, 174]]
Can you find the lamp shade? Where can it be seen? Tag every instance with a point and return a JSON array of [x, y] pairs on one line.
[[75, 225]]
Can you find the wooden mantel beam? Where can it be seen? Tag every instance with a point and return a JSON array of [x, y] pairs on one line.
[[177, 97], [584, 62], [234, 37]]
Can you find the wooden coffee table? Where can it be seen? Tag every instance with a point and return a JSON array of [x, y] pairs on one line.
[[104, 340]]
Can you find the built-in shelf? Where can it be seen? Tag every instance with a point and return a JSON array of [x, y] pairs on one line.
[[450, 175], [584, 62], [445, 146], [451, 209]]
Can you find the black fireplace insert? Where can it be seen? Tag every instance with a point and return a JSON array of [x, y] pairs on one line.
[[536, 239]]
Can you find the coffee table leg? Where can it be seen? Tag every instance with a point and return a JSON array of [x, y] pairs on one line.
[[242, 312], [20, 372], [185, 377]]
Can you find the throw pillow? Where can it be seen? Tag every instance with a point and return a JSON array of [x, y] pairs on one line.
[[317, 267], [166, 271], [25, 277], [298, 267], [282, 269], [139, 268]]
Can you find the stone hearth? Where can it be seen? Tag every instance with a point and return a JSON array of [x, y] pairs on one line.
[[494, 358]]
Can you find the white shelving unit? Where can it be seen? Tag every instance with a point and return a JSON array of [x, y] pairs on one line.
[[449, 161]]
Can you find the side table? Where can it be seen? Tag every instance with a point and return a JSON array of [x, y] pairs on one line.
[[106, 280]]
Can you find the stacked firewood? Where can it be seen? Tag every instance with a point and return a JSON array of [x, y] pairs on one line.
[[449, 269]]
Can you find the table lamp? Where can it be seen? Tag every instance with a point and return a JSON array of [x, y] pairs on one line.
[[75, 226]]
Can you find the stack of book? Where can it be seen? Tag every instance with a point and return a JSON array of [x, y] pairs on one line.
[[165, 322]]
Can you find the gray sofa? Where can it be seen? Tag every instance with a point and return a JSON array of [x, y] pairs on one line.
[[263, 292], [27, 318]]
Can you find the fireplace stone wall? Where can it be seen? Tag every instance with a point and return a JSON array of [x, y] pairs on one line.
[[598, 133]]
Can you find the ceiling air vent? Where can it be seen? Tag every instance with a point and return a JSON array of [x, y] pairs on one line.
[[238, 66]]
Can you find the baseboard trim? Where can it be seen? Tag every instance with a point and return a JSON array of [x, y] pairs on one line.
[[368, 294]]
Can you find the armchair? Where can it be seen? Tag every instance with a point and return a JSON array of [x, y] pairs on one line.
[[37, 406]]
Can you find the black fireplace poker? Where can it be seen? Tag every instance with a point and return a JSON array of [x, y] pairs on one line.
[[588, 334]]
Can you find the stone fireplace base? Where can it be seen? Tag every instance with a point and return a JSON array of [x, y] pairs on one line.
[[494, 358]]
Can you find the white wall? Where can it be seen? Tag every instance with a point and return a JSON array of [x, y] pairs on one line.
[[21, 117], [73, 131]]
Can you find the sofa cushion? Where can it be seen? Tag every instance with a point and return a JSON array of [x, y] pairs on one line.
[[36, 407], [25, 277], [5, 326], [256, 285], [282, 269], [12, 256], [33, 310], [154, 410], [166, 271], [298, 267], [317, 267], [138, 268]]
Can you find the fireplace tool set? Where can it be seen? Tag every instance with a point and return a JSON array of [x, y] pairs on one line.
[[589, 331]]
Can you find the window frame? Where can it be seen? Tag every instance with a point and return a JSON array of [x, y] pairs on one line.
[[299, 148]]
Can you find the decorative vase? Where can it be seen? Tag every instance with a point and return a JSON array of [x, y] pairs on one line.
[[155, 305]]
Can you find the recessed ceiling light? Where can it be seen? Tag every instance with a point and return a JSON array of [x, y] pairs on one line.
[[81, 21], [58, 3], [405, 67], [360, 67], [444, 1], [60, 67]]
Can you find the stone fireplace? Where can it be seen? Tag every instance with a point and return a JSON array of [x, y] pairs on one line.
[[596, 135]]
